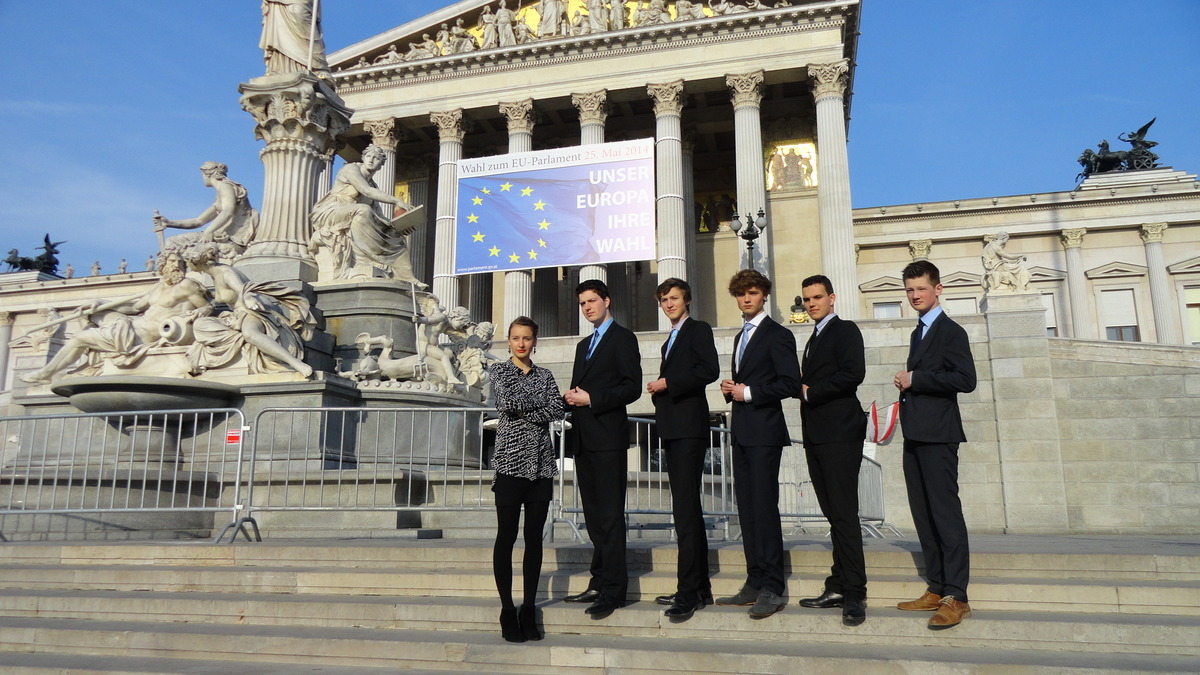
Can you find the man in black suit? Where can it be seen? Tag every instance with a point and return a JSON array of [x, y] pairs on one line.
[[765, 373], [607, 377], [940, 367], [833, 365], [689, 364]]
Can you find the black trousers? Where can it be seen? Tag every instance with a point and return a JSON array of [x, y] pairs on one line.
[[931, 475], [756, 487], [601, 477], [685, 469], [833, 468]]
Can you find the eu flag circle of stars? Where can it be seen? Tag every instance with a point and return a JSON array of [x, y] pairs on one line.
[[480, 238]]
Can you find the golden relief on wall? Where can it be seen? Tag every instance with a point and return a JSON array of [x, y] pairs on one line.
[[791, 166]]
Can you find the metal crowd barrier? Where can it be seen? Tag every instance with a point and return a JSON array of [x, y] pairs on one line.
[[144, 474], [648, 496], [395, 462]]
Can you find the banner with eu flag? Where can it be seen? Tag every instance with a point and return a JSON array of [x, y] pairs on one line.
[[588, 204]]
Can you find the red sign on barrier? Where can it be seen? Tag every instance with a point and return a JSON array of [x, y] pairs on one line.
[[233, 436]]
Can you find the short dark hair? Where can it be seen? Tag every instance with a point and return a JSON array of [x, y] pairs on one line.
[[920, 268], [746, 279], [818, 279], [594, 285], [675, 282], [524, 321]]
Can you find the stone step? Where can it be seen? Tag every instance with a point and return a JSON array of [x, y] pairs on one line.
[[291, 649], [86, 664], [1069, 631], [1030, 594], [1110, 561]]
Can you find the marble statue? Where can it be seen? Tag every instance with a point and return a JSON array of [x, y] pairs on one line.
[[436, 320], [123, 266], [580, 24], [150, 266], [70, 271], [266, 324], [96, 268], [616, 15], [724, 7], [442, 40], [123, 330], [231, 220], [385, 366], [552, 14], [461, 41], [1004, 272], [292, 40], [505, 19], [597, 16], [474, 356], [391, 56], [423, 49], [491, 38], [357, 237], [524, 34], [686, 10]]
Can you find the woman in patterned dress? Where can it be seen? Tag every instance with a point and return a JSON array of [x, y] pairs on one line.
[[525, 461]]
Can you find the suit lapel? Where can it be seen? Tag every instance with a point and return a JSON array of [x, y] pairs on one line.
[[924, 343], [751, 354]]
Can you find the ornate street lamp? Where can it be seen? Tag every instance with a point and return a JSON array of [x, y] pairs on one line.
[[749, 231]]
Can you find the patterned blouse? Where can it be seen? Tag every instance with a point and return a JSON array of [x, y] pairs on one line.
[[527, 402]]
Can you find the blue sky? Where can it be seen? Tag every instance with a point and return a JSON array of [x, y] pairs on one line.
[[110, 107]]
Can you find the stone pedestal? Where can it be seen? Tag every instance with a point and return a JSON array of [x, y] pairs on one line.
[[1031, 463], [381, 307]]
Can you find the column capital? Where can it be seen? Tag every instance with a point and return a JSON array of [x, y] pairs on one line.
[[668, 97], [746, 88], [519, 115], [382, 133], [449, 125], [1152, 232], [1072, 238], [828, 79], [6, 318], [919, 249], [301, 109], [593, 106]]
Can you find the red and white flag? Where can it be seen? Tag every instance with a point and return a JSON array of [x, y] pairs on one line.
[[878, 431]]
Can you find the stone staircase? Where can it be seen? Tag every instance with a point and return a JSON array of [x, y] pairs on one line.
[[1066, 604]]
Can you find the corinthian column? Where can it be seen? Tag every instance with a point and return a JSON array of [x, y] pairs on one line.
[[450, 135], [299, 117], [593, 113], [828, 81], [385, 177], [1160, 287], [751, 183], [518, 284], [1082, 327], [668, 159]]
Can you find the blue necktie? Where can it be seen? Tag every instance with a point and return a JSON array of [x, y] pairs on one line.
[[671, 339], [745, 338], [592, 347]]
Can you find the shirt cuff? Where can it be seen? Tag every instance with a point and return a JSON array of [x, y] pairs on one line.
[[746, 394]]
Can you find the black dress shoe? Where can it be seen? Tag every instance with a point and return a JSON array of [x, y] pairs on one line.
[[669, 600], [603, 607], [529, 627], [510, 626], [824, 601], [684, 607], [854, 612], [590, 595]]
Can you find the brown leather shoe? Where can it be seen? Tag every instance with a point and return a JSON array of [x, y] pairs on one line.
[[925, 603], [950, 612]]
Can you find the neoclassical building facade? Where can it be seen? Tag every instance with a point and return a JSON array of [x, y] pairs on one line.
[[744, 102]]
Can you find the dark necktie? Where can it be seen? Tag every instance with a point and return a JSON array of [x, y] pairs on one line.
[[915, 339]]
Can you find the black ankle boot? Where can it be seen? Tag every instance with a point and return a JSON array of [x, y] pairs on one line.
[[510, 626], [529, 627]]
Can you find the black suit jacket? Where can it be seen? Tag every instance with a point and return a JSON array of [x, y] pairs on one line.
[[833, 366], [942, 367], [613, 379], [770, 368], [682, 410]]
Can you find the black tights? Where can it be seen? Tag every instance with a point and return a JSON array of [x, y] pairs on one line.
[[508, 521]]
